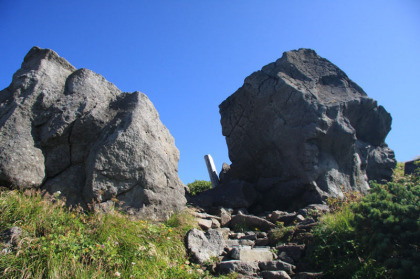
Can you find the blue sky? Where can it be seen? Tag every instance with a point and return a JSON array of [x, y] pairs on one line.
[[188, 56]]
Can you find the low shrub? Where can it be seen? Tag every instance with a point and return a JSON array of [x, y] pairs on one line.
[[199, 186], [376, 237]]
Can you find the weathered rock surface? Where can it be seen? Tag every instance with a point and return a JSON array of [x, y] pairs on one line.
[[70, 130], [300, 130], [205, 245], [245, 268], [250, 221]]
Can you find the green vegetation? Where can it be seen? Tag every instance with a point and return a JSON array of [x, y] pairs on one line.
[[63, 243], [199, 186], [376, 236], [281, 234]]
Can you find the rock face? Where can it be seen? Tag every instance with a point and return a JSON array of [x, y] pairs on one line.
[[300, 130], [69, 130]]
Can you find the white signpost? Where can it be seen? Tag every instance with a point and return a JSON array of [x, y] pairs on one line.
[[214, 178]]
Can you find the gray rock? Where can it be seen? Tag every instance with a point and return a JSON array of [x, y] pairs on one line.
[[205, 224], [294, 251], [204, 246], [300, 130], [225, 216], [276, 265], [256, 254], [245, 268], [69, 130], [250, 222], [235, 253], [237, 242], [280, 274], [225, 232]]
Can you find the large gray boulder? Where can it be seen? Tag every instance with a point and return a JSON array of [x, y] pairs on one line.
[[69, 130], [300, 130]]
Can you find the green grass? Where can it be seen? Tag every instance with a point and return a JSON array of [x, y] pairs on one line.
[[63, 243]]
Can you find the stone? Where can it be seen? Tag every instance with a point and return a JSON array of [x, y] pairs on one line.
[[285, 258], [268, 274], [261, 234], [251, 222], [299, 130], [215, 224], [225, 217], [314, 210], [285, 217], [255, 254], [204, 245], [205, 224], [299, 218], [245, 268], [236, 242], [235, 253], [276, 265], [224, 177], [238, 235], [294, 251], [262, 241], [69, 130], [225, 232]]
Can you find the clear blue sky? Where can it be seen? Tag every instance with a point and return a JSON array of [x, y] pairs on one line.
[[188, 56]]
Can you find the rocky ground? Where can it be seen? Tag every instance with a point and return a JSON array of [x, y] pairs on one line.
[[273, 245]]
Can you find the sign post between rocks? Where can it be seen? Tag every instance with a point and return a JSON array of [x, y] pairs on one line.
[[212, 170]]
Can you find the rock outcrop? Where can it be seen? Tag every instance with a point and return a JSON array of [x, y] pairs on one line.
[[69, 130], [300, 130]]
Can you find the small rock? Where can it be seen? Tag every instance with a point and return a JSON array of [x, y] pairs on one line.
[[292, 250], [256, 254], [236, 242], [236, 251], [261, 234], [276, 265], [236, 235], [225, 232], [285, 258], [262, 241], [281, 274], [287, 219], [250, 237], [275, 215], [299, 218], [204, 246], [215, 224], [204, 223], [245, 268], [225, 217], [251, 221]]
